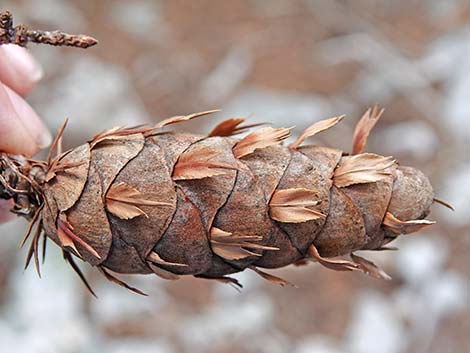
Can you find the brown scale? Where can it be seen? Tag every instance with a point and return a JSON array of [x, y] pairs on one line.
[[154, 181], [185, 230], [269, 165], [208, 194], [301, 173], [344, 230]]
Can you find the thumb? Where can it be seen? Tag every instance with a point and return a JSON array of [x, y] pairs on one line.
[[21, 130]]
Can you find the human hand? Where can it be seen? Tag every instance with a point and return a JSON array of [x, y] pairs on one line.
[[21, 129]]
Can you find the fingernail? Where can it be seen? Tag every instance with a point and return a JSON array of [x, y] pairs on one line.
[[23, 63], [33, 124], [44, 140]]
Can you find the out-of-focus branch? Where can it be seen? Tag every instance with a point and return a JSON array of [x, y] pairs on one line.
[[21, 35]]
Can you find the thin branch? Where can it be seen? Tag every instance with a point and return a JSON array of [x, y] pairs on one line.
[[21, 35]]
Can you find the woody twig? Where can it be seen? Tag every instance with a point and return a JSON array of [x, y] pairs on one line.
[[22, 35]]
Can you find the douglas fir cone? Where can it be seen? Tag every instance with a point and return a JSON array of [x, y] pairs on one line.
[[141, 200]]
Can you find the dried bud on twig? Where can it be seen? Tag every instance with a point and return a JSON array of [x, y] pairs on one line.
[[21, 35]]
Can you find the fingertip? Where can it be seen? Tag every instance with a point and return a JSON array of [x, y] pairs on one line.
[[18, 69], [33, 124], [18, 135]]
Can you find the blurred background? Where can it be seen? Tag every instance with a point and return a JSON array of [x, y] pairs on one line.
[[291, 63]]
